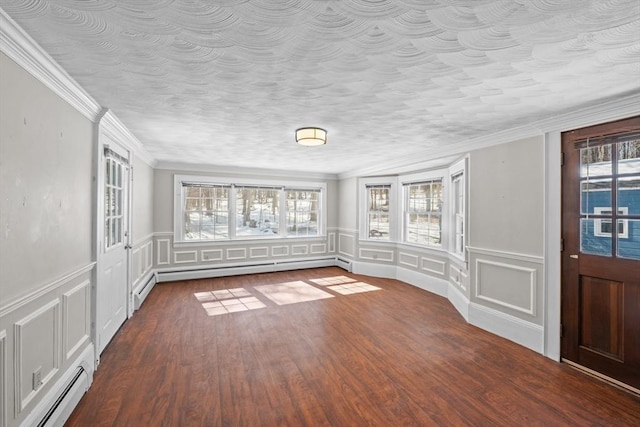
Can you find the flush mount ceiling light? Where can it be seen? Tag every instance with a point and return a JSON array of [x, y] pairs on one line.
[[311, 136]]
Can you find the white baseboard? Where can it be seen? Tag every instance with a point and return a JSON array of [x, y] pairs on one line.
[[168, 274], [65, 394], [375, 270], [423, 281], [504, 325], [459, 301]]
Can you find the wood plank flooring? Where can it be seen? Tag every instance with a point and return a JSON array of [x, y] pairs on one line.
[[390, 357]]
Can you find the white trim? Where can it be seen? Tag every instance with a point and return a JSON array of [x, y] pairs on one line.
[[44, 290], [68, 352], [332, 241], [28, 54], [600, 112], [185, 260], [374, 269], [510, 327], [435, 261], [407, 263], [54, 306], [553, 234], [159, 251], [509, 255], [84, 360], [243, 172], [531, 310], [299, 249], [374, 257], [22, 49], [348, 236], [459, 301], [428, 283], [211, 259], [285, 251], [243, 251], [265, 253]]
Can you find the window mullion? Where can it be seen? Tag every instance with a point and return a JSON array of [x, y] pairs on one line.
[[282, 214], [231, 207]]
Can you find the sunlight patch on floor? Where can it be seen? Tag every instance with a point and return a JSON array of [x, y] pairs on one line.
[[335, 280], [228, 301], [292, 292], [353, 288]]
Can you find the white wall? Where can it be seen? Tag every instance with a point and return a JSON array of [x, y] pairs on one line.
[[46, 264], [45, 184]]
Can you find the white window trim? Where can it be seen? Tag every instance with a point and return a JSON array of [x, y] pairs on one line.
[[436, 174], [597, 223], [394, 222], [178, 206], [459, 167]]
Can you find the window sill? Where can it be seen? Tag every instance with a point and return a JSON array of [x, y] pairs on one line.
[[247, 240]]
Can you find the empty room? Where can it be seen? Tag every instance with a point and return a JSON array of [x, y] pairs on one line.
[[319, 212]]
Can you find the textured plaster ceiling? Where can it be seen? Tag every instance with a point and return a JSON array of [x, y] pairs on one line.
[[227, 82]]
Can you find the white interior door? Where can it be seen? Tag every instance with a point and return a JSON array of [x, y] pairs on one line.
[[112, 284]]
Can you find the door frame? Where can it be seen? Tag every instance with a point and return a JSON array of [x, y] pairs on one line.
[[103, 139]]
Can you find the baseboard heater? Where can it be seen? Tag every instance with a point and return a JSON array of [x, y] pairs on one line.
[[239, 269], [142, 293], [344, 264], [67, 401]]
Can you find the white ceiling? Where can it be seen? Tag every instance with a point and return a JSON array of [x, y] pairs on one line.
[[227, 82]]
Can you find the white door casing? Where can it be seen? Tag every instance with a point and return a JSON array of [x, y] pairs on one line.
[[113, 241]]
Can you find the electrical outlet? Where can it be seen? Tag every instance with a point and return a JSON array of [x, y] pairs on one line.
[[37, 378]]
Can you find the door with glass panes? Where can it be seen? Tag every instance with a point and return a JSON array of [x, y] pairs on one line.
[[112, 287], [601, 249]]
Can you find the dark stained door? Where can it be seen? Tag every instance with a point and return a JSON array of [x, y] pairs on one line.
[[601, 255]]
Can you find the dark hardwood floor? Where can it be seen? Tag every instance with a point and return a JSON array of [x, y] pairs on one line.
[[389, 357]]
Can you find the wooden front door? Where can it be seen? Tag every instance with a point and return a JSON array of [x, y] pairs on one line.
[[601, 255]]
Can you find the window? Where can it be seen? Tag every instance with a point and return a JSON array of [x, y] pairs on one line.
[[302, 212], [257, 211], [378, 219], [210, 209], [457, 211], [114, 183], [206, 212], [602, 226], [423, 213]]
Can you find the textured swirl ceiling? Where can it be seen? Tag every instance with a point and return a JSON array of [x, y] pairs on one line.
[[227, 82]]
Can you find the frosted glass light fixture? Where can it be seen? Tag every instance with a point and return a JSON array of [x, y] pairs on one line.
[[311, 136]]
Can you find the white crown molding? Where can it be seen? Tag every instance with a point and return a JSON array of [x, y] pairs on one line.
[[21, 48], [238, 171], [602, 112], [116, 130], [24, 51]]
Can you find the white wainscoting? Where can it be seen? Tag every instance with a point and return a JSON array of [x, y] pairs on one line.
[[519, 292], [210, 255], [236, 254], [279, 251], [332, 242], [163, 250], [347, 244], [260, 252], [47, 331], [433, 265], [376, 255], [299, 249], [185, 257], [508, 282], [76, 319], [408, 260]]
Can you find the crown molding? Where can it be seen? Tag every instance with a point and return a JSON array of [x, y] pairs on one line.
[[21, 48], [116, 130], [27, 53], [601, 112], [238, 171]]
